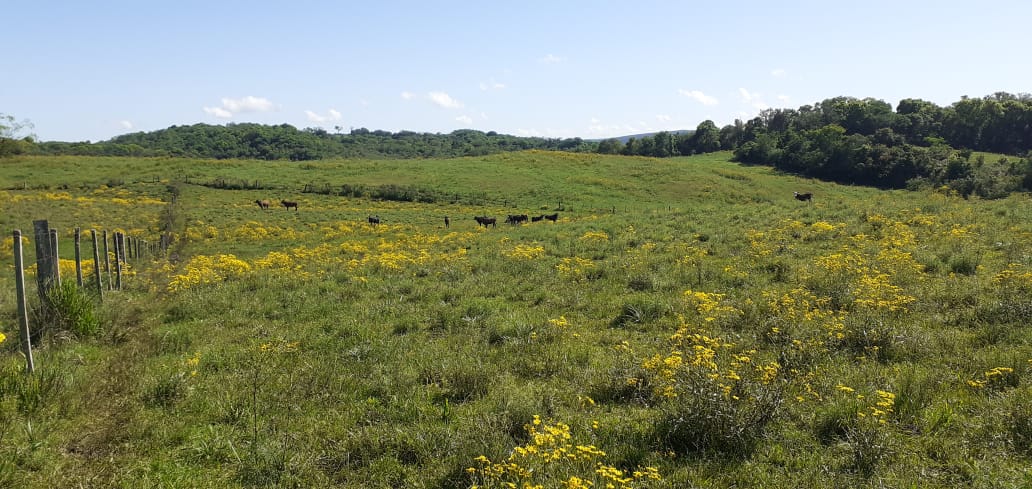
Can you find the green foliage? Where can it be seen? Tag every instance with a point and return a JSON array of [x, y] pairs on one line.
[[285, 142], [11, 142], [70, 309]]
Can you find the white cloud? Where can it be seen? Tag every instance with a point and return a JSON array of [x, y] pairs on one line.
[[408, 95], [551, 59], [465, 119], [492, 85], [778, 72], [247, 104], [219, 112], [784, 99], [698, 96], [754, 99], [333, 115], [663, 118], [125, 124], [445, 100], [233, 106]]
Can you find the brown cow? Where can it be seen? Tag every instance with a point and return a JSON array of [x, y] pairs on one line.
[[264, 204], [289, 204]]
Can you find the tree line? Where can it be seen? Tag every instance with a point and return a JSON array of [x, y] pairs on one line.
[[866, 142], [286, 142], [841, 139]]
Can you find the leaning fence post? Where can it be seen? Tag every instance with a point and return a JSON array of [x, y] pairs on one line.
[[118, 260], [96, 264], [57, 257], [107, 261], [23, 312], [78, 258]]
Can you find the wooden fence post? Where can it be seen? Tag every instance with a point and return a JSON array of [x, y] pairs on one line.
[[23, 312], [44, 259], [96, 264], [57, 257], [107, 261], [118, 260], [78, 258]]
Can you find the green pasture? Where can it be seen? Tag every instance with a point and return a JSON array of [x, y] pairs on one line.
[[685, 323]]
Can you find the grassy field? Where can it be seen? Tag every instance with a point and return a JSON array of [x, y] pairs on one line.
[[685, 323]]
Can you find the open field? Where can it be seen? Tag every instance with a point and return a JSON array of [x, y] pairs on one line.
[[684, 323]]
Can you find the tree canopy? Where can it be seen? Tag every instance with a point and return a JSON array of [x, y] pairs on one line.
[[285, 142]]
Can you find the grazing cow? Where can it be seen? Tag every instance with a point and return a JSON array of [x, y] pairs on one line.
[[553, 217], [289, 205], [446, 221], [374, 220], [515, 219], [807, 197], [485, 221], [537, 218], [264, 204]]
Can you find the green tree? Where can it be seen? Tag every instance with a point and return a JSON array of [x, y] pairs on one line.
[[706, 138], [611, 146], [11, 143]]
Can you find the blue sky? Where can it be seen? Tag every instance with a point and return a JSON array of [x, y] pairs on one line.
[[592, 69]]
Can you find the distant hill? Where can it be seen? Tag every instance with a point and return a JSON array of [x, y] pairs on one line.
[[624, 139]]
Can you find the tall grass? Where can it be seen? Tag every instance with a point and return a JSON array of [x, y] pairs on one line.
[[685, 317]]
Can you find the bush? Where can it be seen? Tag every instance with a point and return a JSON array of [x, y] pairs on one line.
[[67, 308]]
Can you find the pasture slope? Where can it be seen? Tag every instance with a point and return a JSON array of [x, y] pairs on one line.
[[685, 323]]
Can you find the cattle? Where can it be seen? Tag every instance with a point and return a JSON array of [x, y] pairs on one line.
[[264, 204], [553, 217], [807, 197], [485, 221], [537, 218], [447, 222], [289, 205], [374, 220], [515, 219]]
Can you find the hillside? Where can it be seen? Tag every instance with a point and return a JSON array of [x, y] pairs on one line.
[[685, 322]]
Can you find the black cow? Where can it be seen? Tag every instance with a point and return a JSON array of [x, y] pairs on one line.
[[374, 220], [485, 221], [807, 197], [553, 217]]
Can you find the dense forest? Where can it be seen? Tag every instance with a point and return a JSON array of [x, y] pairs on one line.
[[285, 142], [841, 139], [865, 142]]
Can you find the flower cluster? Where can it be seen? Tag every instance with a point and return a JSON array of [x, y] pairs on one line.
[[525, 252], [995, 378], [553, 459], [575, 268]]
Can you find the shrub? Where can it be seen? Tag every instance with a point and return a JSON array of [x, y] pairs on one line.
[[70, 309]]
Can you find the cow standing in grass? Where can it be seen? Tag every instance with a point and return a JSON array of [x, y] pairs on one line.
[[289, 205], [485, 221], [374, 220], [264, 204], [807, 197]]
